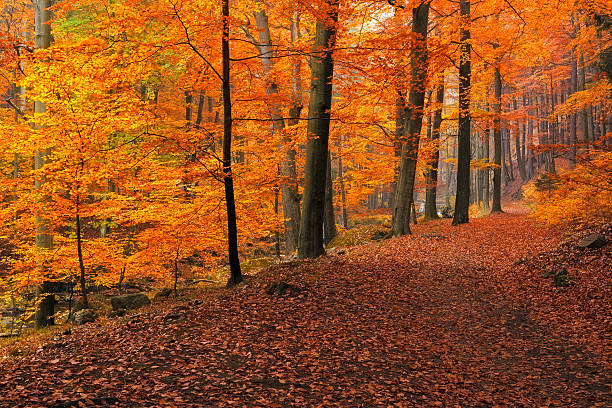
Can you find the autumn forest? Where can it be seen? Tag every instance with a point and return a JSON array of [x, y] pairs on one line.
[[350, 203]]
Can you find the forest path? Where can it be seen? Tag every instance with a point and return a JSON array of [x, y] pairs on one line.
[[444, 317]]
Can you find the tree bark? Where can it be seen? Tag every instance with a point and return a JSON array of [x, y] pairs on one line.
[[289, 189], [310, 243], [497, 143], [553, 129], [412, 127], [584, 117], [462, 200], [290, 197], [85, 303], [573, 125], [228, 177], [341, 181], [44, 236], [520, 160], [431, 210], [485, 172], [329, 229]]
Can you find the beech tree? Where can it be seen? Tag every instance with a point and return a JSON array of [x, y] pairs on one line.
[[310, 243], [228, 176], [431, 179], [462, 201], [411, 119], [44, 236]]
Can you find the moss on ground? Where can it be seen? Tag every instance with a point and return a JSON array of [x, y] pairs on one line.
[[360, 235]]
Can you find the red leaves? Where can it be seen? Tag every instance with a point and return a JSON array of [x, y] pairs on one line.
[[414, 321]]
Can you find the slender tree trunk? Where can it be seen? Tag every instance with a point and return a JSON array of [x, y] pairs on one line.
[[228, 177], [412, 130], [478, 172], [329, 227], [44, 236], [532, 155], [85, 303], [573, 124], [277, 238], [520, 159], [462, 200], [310, 244], [289, 189], [508, 148], [486, 171], [431, 210], [413, 212], [553, 136], [584, 118], [341, 181], [497, 143]]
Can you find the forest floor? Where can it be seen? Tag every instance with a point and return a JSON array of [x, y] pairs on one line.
[[450, 316]]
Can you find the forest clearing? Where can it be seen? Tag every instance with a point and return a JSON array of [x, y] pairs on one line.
[[310, 203]]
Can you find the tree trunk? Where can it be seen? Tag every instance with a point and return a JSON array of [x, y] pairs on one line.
[[412, 129], [413, 212], [584, 118], [508, 147], [485, 173], [341, 180], [478, 172], [520, 159], [329, 227], [573, 125], [289, 189], [228, 177], [431, 210], [553, 128], [497, 143], [462, 200], [310, 243], [85, 303], [291, 201], [44, 237]]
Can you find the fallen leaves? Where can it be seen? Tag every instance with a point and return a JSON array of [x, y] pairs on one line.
[[410, 322]]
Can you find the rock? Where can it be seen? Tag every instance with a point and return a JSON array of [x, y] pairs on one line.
[[172, 316], [446, 212], [117, 313], [84, 316], [561, 278], [196, 302], [164, 293], [12, 312], [336, 251], [130, 301], [379, 236], [79, 305], [282, 288], [592, 241], [434, 235]]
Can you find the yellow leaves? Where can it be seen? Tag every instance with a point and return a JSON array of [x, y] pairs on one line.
[[596, 94], [581, 196]]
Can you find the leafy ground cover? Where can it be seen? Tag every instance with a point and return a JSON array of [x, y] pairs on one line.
[[450, 316]]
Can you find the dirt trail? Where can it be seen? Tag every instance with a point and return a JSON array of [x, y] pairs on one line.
[[440, 318]]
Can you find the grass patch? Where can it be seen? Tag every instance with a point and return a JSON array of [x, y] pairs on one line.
[[256, 264], [28, 342]]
